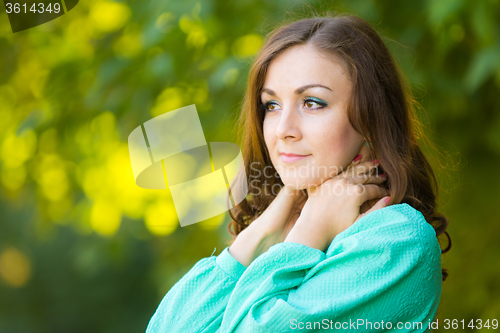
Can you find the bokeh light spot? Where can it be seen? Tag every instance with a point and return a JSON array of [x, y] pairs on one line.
[[15, 267]]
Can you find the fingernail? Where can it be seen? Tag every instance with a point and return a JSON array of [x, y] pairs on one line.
[[387, 200], [376, 161], [383, 175], [357, 158]]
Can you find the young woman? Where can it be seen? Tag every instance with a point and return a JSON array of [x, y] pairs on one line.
[[349, 239]]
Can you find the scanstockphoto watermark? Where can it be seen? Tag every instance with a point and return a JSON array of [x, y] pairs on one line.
[[358, 324], [309, 176]]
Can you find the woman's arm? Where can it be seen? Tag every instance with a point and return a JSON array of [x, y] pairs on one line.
[[385, 267], [197, 302], [270, 228]]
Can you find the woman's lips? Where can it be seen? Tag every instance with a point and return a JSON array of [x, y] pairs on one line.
[[288, 158]]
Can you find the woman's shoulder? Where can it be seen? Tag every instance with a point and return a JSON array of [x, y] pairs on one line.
[[398, 225], [378, 267], [385, 247]]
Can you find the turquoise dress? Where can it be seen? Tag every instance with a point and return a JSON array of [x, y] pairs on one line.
[[385, 269]]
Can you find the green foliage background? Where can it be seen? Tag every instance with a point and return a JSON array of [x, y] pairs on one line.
[[83, 249]]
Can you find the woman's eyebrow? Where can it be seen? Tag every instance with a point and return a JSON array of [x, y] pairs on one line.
[[298, 90], [304, 88]]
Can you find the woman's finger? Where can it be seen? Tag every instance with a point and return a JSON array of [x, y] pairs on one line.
[[372, 177], [380, 204], [359, 179], [359, 169], [368, 179], [376, 179], [369, 192], [365, 167]]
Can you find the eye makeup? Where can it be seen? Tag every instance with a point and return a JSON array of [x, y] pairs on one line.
[[266, 105], [310, 99], [316, 100]]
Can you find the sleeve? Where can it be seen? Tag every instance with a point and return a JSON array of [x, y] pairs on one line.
[[386, 276], [197, 301]]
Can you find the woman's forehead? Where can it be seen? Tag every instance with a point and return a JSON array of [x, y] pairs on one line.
[[304, 65]]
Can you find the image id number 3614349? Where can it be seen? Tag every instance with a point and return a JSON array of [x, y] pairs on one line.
[[473, 324], [23, 8]]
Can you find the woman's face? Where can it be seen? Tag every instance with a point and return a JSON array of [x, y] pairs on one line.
[[305, 97]]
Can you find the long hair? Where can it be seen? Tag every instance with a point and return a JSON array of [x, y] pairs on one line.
[[381, 109]]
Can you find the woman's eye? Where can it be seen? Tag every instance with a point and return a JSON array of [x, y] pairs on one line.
[[271, 106], [310, 104], [313, 104]]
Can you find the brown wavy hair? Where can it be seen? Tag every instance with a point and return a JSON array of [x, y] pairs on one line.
[[381, 109]]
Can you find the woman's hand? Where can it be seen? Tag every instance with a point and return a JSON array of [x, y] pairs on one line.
[[271, 227], [336, 204], [280, 217], [349, 171]]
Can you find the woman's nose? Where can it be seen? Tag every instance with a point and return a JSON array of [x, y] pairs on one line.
[[288, 125]]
